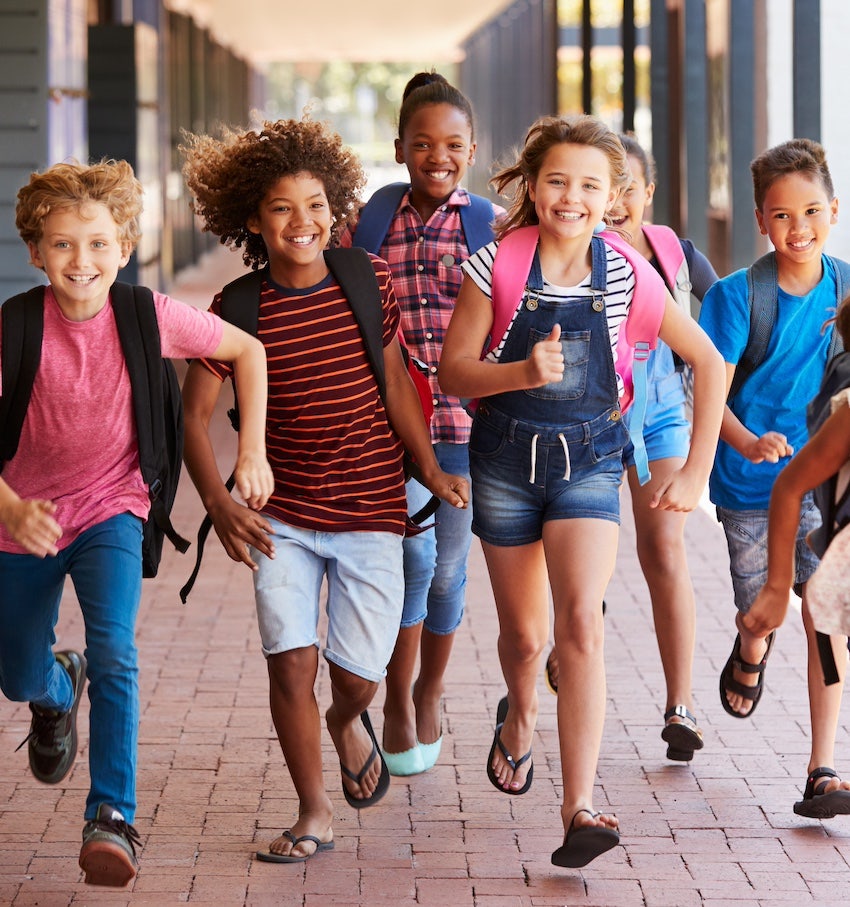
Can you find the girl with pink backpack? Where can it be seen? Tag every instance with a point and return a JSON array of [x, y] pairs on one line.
[[547, 443]]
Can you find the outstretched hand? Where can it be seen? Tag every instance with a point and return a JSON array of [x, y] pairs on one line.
[[546, 362]]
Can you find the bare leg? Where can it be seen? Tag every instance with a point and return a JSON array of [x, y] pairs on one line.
[[428, 689], [518, 577], [824, 702], [399, 713], [578, 584], [351, 695], [295, 713], [663, 559]]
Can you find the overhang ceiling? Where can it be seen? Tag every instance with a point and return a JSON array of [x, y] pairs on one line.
[[264, 31]]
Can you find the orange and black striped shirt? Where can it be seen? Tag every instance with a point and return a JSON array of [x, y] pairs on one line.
[[336, 461]]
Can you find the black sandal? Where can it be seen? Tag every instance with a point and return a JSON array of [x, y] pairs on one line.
[[728, 684], [584, 843], [818, 805], [682, 737]]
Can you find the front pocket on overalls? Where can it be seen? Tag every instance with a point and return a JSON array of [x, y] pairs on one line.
[[575, 346]]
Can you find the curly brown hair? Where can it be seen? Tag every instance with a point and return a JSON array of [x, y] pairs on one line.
[[543, 135], [71, 185], [229, 177]]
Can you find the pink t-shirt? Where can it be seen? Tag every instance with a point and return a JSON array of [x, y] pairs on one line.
[[78, 445]]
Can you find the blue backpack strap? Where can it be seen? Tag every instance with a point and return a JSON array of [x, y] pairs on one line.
[[377, 215], [476, 218], [763, 302]]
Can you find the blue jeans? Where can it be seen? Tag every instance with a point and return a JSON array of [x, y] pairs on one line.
[[105, 565], [435, 561]]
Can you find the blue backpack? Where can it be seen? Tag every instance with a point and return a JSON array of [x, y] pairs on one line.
[[377, 215]]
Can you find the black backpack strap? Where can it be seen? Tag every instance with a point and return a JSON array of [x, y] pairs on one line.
[[763, 300], [138, 331], [353, 271], [23, 329], [827, 658]]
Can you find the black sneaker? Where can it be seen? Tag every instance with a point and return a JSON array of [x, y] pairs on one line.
[[108, 854], [53, 735]]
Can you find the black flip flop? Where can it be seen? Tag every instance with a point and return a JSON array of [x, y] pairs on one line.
[[267, 856], [383, 781], [581, 845], [501, 714]]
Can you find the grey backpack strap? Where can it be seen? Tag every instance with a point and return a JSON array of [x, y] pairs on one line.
[[763, 300]]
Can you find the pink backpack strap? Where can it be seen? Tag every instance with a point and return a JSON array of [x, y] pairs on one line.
[[511, 267], [645, 314], [667, 248]]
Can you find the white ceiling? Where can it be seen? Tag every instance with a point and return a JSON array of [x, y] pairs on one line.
[[263, 31]]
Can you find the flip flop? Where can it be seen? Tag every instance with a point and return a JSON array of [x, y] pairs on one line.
[[822, 806], [581, 845], [501, 714], [267, 856], [728, 684], [383, 780]]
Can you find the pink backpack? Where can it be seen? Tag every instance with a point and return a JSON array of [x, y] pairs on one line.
[[638, 337], [668, 250]]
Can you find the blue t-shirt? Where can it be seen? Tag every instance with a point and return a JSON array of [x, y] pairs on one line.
[[775, 395]]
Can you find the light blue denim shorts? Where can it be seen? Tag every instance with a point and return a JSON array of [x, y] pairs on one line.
[[518, 475], [365, 584], [746, 539]]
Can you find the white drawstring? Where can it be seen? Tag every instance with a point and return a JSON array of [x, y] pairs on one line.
[[533, 459], [568, 470]]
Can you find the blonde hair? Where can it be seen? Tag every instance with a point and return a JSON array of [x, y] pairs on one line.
[[72, 185], [543, 135]]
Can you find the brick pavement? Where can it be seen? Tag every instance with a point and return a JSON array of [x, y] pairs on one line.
[[213, 787]]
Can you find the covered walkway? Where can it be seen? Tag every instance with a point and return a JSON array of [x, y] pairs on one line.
[[213, 787]]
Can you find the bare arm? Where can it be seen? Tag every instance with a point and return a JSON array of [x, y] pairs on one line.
[[405, 414], [236, 525], [817, 461], [253, 474], [684, 487]]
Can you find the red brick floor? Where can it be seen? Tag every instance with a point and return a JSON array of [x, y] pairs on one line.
[[213, 787]]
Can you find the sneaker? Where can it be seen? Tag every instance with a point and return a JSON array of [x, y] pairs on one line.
[[53, 735], [108, 854]]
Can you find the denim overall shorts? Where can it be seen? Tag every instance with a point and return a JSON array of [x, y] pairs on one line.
[[551, 452]]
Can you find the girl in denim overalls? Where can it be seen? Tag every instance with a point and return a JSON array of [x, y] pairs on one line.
[[546, 450]]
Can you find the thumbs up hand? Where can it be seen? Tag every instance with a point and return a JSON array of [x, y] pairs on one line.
[[546, 362]]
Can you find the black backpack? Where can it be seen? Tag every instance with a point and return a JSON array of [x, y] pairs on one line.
[[834, 509], [353, 271], [157, 404]]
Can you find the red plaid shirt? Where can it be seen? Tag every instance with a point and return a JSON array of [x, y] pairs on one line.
[[425, 262]]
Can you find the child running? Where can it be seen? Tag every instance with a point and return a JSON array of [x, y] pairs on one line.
[[83, 516], [338, 509], [660, 533], [424, 245], [765, 423], [546, 449]]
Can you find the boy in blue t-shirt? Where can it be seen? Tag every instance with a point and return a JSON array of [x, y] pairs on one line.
[[765, 423]]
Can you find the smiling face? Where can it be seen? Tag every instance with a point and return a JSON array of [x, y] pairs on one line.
[[628, 211], [437, 148], [572, 191], [294, 220], [81, 252], [796, 216]]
